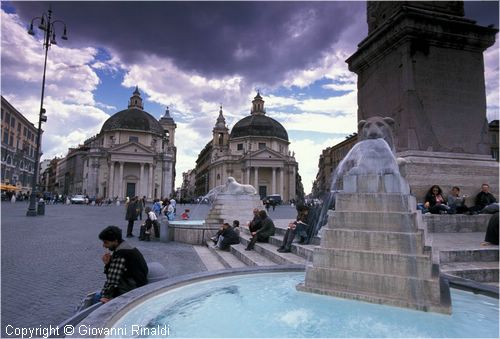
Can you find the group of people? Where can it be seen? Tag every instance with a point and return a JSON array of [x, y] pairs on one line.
[[126, 269], [436, 203], [151, 226]]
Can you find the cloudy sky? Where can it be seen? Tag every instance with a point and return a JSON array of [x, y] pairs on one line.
[[192, 57]]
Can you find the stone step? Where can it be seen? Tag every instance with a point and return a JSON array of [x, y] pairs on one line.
[[250, 258], [383, 221], [468, 255], [227, 259], [477, 271], [302, 250], [372, 283], [270, 251], [375, 202], [453, 223], [395, 264], [364, 240]]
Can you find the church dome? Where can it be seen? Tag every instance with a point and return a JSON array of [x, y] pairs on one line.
[[259, 126], [133, 118]]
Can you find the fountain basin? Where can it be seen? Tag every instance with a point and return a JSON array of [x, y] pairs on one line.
[[249, 303], [194, 232]]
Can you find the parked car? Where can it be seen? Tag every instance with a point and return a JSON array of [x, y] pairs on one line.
[[78, 199], [274, 198]]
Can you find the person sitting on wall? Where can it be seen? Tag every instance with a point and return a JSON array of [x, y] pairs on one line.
[[227, 238], [485, 201], [299, 226], [125, 268], [457, 202], [263, 233], [491, 237], [185, 214], [434, 201]]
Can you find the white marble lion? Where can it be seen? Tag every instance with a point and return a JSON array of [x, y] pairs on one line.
[[233, 187]]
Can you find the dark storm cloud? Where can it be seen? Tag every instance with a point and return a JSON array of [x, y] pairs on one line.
[[484, 12], [254, 39]]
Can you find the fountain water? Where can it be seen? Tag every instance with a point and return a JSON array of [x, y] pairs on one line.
[[373, 247]]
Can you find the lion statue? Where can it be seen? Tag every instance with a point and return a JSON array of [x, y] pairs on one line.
[[377, 128], [233, 187], [374, 153]]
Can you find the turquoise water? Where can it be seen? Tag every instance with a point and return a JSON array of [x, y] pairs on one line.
[[267, 305]]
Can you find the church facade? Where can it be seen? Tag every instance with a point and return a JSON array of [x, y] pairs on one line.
[[256, 152], [133, 155]]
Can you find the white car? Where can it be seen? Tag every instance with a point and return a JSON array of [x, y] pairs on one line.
[[78, 199]]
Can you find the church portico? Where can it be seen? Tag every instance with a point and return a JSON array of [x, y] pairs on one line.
[[136, 154]]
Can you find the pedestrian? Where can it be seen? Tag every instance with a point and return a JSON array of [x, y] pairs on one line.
[[131, 216], [125, 268], [157, 207]]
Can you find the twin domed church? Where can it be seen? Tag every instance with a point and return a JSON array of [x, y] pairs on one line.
[[135, 154]]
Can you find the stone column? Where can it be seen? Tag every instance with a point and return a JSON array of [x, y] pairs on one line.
[[282, 181], [273, 184], [111, 191], [149, 191], [120, 181], [256, 179], [248, 175], [141, 182]]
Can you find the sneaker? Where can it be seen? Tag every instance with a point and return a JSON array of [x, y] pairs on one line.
[[248, 249], [280, 249]]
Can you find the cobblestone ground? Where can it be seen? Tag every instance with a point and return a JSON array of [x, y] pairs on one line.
[[50, 262]]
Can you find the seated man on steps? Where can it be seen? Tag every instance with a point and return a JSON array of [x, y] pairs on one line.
[[299, 226], [227, 237], [256, 223], [266, 230]]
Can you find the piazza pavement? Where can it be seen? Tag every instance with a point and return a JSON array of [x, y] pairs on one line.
[[50, 262]]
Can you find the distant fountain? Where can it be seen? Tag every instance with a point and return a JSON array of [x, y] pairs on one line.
[[373, 246]]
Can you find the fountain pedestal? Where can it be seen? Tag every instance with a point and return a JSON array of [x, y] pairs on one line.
[[373, 248], [228, 207]]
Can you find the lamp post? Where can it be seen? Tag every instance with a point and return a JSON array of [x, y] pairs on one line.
[[47, 25]]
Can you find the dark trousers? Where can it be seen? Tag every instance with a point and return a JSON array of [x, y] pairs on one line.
[[130, 226], [288, 239], [492, 230], [256, 238]]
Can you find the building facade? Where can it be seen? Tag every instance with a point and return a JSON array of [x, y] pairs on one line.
[[18, 148], [254, 152], [134, 154], [329, 159]]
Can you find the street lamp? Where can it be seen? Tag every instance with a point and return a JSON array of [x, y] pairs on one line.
[[49, 38]]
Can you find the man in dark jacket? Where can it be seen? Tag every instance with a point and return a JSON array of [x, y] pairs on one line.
[[483, 199], [266, 230], [256, 222], [227, 238], [131, 216], [125, 269]]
